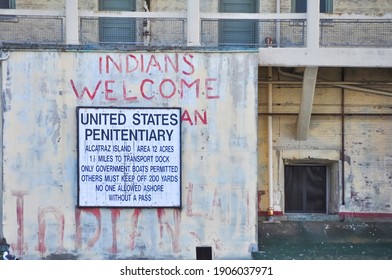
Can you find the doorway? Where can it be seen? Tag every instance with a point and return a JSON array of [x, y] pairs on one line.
[[306, 188]]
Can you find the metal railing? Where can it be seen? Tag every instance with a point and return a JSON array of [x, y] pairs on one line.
[[29, 29], [253, 33], [356, 33], [216, 30], [133, 31]]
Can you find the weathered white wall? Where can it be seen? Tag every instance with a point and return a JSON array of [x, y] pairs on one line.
[[219, 154]]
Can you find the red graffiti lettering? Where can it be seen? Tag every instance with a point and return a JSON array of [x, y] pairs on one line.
[[146, 88], [134, 222], [215, 203], [164, 86], [146, 63], [210, 89], [189, 200], [153, 63], [169, 222], [19, 247], [174, 233], [142, 89], [184, 84], [109, 90], [131, 63], [85, 90], [126, 97], [110, 61], [115, 213], [42, 213], [169, 61], [186, 117], [190, 64], [78, 237]]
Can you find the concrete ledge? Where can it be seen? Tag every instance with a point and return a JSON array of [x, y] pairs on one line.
[[326, 252], [324, 240], [324, 232], [326, 57]]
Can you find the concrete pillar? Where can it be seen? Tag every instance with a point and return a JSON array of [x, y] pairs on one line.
[[193, 19], [71, 22], [306, 106], [313, 24]]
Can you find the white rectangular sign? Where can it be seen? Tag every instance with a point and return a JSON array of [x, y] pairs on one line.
[[129, 157]]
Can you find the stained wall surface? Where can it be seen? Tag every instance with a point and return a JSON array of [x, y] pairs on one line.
[[350, 132], [217, 93]]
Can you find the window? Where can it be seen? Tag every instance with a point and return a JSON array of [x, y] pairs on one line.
[[299, 6], [117, 30], [305, 189], [238, 32], [7, 4]]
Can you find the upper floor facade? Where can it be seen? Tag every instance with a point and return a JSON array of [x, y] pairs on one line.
[[336, 33]]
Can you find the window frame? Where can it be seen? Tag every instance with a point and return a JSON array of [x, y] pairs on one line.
[[102, 6], [234, 27], [117, 30], [11, 4]]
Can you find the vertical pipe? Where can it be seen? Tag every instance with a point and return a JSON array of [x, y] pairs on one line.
[[343, 147], [270, 210], [71, 22]]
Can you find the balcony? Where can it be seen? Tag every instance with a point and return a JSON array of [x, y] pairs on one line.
[[273, 35]]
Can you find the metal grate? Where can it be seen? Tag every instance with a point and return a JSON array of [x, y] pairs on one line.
[[135, 31], [356, 33], [171, 32], [32, 29], [253, 33]]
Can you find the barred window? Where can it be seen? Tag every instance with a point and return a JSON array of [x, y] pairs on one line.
[[115, 30]]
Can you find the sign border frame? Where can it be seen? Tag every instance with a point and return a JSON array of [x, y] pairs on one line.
[[77, 109]]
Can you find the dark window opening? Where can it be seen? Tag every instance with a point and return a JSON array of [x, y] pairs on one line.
[[305, 189], [203, 253], [238, 32], [7, 4], [300, 6]]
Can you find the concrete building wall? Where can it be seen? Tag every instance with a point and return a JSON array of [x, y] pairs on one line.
[[217, 94], [365, 140]]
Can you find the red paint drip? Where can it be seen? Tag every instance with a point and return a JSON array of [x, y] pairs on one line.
[[19, 219], [42, 228], [115, 213], [134, 222], [78, 238]]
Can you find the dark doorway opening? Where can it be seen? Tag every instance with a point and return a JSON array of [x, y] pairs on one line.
[[305, 188]]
